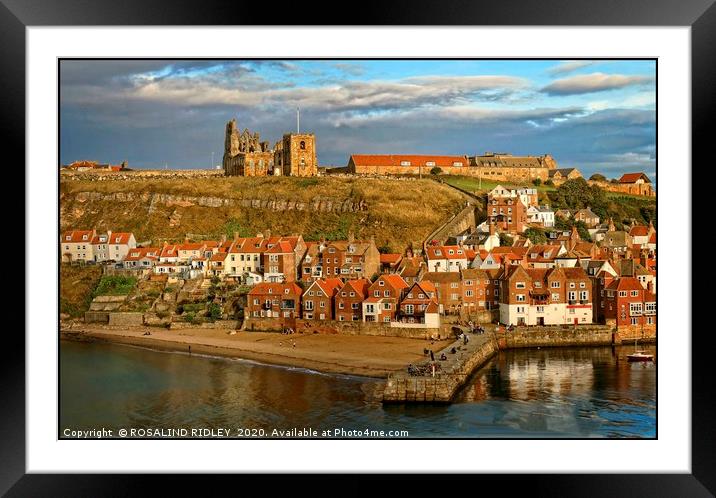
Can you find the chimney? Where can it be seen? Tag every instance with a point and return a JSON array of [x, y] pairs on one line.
[[223, 238], [492, 228], [186, 239], [351, 237], [259, 235], [268, 233], [236, 235]]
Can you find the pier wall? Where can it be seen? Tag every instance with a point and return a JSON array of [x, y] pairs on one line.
[[344, 328], [401, 387], [583, 335]]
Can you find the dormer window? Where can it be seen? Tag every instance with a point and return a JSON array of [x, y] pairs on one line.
[[285, 291], [270, 291], [68, 238], [405, 163], [381, 283], [84, 237]]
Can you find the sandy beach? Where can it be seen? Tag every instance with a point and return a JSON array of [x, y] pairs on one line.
[[370, 356]]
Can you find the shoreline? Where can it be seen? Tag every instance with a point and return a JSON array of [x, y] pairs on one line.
[[364, 356]]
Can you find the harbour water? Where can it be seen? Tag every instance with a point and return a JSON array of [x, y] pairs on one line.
[[588, 392]]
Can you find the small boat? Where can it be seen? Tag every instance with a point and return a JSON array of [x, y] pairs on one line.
[[640, 356]]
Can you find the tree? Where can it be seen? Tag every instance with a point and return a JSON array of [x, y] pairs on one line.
[[578, 194], [549, 183], [435, 171], [385, 249], [506, 240], [537, 182], [536, 235], [598, 177]]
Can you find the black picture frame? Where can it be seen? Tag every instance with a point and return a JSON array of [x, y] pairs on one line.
[[700, 15]]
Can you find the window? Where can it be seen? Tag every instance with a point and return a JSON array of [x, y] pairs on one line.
[[583, 295], [555, 285], [387, 306], [381, 283], [430, 163], [538, 285], [405, 163], [302, 145], [572, 295], [323, 304], [454, 297], [376, 293], [650, 308], [520, 298], [540, 309], [520, 285], [634, 321], [469, 293], [386, 293], [409, 309], [622, 293], [582, 285], [635, 309], [634, 293], [555, 297], [571, 285], [453, 285]]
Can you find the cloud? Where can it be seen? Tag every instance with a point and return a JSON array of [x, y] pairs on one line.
[[568, 67], [595, 82]]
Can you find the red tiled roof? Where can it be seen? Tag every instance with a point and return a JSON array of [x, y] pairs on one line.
[[120, 238], [280, 248], [415, 160], [639, 231], [77, 236], [276, 289], [142, 252], [390, 259], [625, 283], [633, 177], [396, 281], [652, 239], [359, 285]]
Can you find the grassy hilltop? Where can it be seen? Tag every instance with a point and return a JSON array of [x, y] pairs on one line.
[[396, 212]]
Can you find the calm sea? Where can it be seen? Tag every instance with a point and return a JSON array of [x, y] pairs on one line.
[[543, 393]]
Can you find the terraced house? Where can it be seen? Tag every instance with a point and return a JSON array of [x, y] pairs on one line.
[[274, 300], [545, 296], [384, 295], [318, 299], [344, 259], [349, 300]]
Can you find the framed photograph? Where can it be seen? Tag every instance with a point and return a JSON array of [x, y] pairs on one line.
[[394, 248]]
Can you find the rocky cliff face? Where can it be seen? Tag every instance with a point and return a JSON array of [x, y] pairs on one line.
[[318, 204]]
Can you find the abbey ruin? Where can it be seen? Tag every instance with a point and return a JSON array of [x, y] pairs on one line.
[[246, 155]]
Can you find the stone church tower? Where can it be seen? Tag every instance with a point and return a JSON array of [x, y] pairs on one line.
[[296, 155]]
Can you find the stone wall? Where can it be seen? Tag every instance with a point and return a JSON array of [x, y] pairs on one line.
[[344, 328], [126, 176], [630, 332], [401, 387], [126, 319], [644, 189], [583, 335], [458, 223], [96, 317], [321, 204], [491, 174]]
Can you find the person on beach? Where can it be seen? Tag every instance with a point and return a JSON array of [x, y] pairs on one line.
[[190, 349], [464, 339], [432, 355]]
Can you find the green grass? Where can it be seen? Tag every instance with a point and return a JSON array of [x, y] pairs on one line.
[[115, 285], [473, 184]]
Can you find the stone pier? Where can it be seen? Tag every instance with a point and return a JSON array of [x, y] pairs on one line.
[[402, 387], [453, 373]]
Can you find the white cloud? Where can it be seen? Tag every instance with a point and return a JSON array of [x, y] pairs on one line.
[[595, 82]]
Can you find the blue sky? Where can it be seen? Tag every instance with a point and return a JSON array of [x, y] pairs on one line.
[[597, 115]]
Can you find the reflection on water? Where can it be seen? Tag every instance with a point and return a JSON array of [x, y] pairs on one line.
[[566, 392]]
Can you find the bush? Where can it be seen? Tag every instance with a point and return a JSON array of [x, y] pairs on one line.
[[436, 171], [597, 177], [549, 183], [114, 285], [214, 311], [506, 240], [537, 182], [536, 235]]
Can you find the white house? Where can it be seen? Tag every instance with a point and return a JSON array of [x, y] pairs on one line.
[[446, 258]]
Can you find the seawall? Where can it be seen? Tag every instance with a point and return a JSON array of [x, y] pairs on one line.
[[423, 385]]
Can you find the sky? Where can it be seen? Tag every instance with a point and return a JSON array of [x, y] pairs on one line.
[[596, 115]]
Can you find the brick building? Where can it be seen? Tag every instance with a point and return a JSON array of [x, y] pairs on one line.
[[384, 295], [349, 299], [274, 300], [318, 299]]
